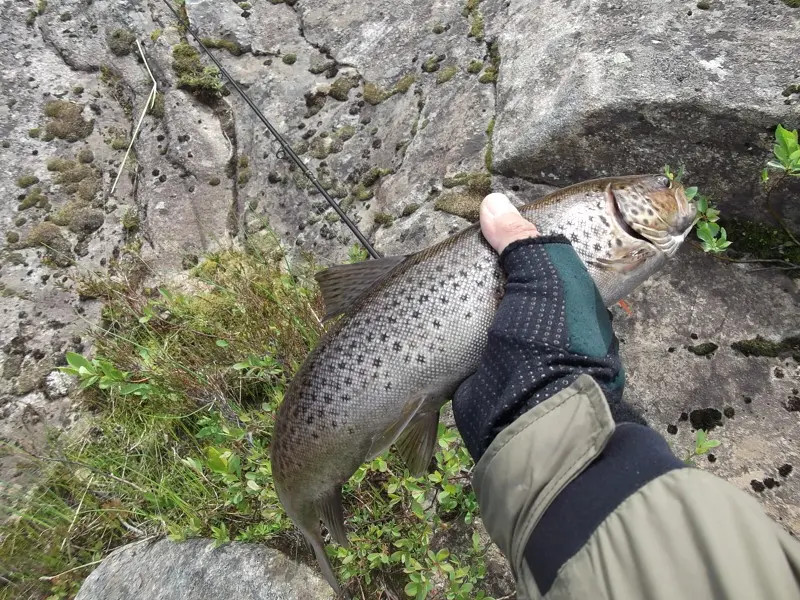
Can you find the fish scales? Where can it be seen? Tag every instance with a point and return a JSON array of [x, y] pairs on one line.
[[382, 372]]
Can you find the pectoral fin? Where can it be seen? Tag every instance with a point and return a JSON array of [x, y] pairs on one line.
[[417, 443], [387, 437], [331, 513]]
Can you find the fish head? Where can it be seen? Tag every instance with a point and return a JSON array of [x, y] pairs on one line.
[[652, 207]]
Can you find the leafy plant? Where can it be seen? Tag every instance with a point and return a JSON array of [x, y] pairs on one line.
[[357, 253], [702, 444], [713, 237], [787, 162]]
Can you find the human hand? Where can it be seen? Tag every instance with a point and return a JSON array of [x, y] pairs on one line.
[[502, 224]]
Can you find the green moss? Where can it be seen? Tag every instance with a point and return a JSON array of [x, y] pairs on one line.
[[86, 156], [320, 147], [77, 90], [47, 235], [26, 181], [43, 234], [464, 205], [760, 346], [130, 221], [475, 66], [244, 161], [476, 28], [67, 122], [703, 349], [362, 193], [383, 219], [340, 89], [243, 177], [795, 87], [345, 132], [410, 209], [157, 108], [371, 177], [405, 83], [374, 94], [491, 72], [65, 16], [488, 158], [760, 240], [12, 237], [318, 68], [446, 74], [228, 45], [477, 182], [289, 59], [203, 82], [121, 41], [300, 147], [438, 28], [155, 34], [60, 164], [431, 64], [214, 181], [332, 217], [245, 5], [34, 198], [20, 221], [120, 143], [34, 132], [792, 3], [488, 76]]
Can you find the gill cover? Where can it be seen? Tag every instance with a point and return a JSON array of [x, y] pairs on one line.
[[656, 208]]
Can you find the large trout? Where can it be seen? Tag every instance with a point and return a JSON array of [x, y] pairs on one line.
[[414, 327]]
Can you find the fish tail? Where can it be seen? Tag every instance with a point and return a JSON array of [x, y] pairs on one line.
[[315, 540]]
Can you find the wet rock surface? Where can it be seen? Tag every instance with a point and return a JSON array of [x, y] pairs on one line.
[[397, 110], [164, 570]]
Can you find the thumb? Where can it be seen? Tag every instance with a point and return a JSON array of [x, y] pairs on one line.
[[501, 222]]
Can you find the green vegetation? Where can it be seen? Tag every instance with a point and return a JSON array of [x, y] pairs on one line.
[[34, 132], [383, 219], [438, 28], [491, 72], [182, 392], [488, 158], [121, 41], [244, 170], [25, 181], [475, 66], [375, 95], [157, 108], [228, 45], [446, 74], [36, 198], [410, 209], [473, 13], [203, 82], [155, 34], [465, 203], [66, 121], [341, 88], [357, 253], [792, 3], [787, 163], [432, 63], [130, 221], [760, 346], [289, 59], [41, 7], [702, 444]]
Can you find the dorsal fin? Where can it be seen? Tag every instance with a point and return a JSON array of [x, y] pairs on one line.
[[341, 285]]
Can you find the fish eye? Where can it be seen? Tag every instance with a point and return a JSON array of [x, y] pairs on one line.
[[664, 181]]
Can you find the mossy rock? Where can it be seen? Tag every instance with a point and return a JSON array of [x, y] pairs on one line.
[[203, 82], [383, 219], [34, 132], [345, 132], [372, 176], [86, 221], [26, 181], [760, 240], [36, 198], [475, 66], [320, 147], [158, 107], [476, 182], [67, 122], [48, 235], [12, 237], [410, 209], [232, 47], [465, 205], [374, 94], [121, 41], [432, 64], [760, 346], [86, 156], [446, 74], [289, 59], [340, 89]]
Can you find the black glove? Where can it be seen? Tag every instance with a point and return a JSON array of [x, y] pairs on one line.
[[550, 328]]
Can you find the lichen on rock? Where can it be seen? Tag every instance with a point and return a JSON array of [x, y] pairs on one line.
[[66, 121]]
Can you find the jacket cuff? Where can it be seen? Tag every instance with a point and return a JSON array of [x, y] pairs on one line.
[[533, 460]]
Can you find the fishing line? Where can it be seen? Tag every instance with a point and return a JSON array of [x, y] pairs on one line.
[[286, 149]]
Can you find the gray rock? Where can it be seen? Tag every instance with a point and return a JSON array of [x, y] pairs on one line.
[[164, 570], [589, 89], [58, 384], [696, 299]]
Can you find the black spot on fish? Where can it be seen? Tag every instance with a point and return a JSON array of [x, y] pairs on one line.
[[342, 365], [415, 314], [603, 220], [315, 435], [420, 359], [309, 419], [650, 212], [618, 241], [464, 297], [388, 386], [480, 284], [346, 398], [468, 315], [334, 424], [407, 358], [444, 300], [384, 337], [573, 237], [439, 268], [348, 381], [436, 324], [396, 346], [376, 362], [597, 247], [350, 430], [360, 358], [328, 399], [392, 319], [395, 303], [609, 243], [635, 211], [423, 298]]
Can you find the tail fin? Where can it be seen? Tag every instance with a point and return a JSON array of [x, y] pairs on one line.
[[324, 564]]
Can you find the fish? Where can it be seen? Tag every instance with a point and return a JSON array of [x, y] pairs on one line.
[[414, 327]]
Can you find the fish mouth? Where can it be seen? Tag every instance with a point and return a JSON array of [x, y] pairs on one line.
[[662, 240]]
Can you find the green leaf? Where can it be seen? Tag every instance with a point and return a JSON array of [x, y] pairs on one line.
[[690, 192], [764, 175], [78, 360], [786, 139], [712, 215], [442, 554], [411, 588], [222, 344], [215, 461], [704, 233], [702, 204], [234, 465]]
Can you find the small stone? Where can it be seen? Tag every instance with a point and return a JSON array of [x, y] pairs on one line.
[[770, 483], [728, 412], [703, 349], [712, 458], [785, 470], [704, 5], [757, 485], [57, 384], [705, 418], [672, 429], [12, 366], [684, 417]]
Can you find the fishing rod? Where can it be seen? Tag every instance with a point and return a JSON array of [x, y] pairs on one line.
[[285, 147]]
